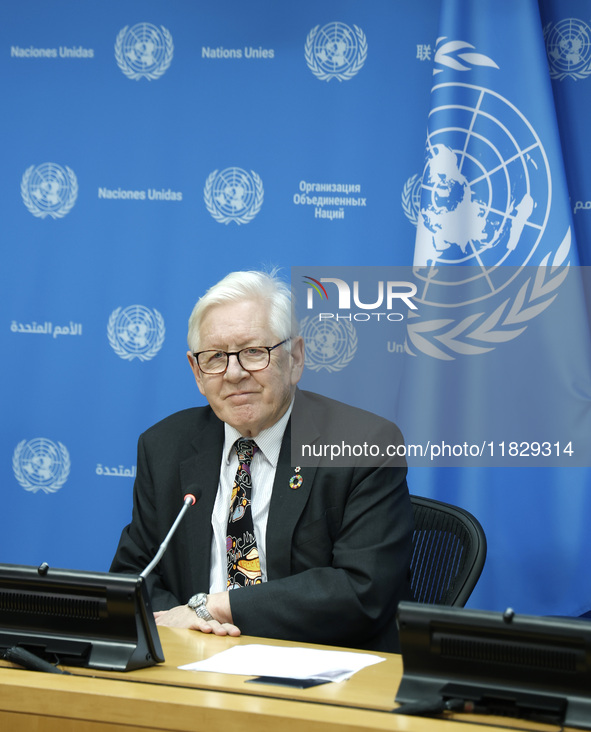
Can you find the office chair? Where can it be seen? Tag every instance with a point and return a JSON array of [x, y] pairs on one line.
[[449, 549]]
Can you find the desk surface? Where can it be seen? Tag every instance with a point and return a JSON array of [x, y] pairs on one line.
[[163, 697], [372, 688]]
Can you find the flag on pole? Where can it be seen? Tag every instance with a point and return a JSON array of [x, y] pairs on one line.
[[501, 327], [499, 367]]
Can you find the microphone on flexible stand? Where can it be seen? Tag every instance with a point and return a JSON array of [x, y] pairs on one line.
[[29, 660], [190, 500]]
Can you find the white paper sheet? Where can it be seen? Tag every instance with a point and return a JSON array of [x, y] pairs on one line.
[[293, 663]]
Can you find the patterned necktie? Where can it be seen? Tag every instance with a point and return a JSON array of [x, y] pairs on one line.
[[244, 567]]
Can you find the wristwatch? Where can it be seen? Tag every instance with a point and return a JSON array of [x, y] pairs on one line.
[[199, 603]]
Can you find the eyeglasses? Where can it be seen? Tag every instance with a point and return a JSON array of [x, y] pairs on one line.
[[253, 358]]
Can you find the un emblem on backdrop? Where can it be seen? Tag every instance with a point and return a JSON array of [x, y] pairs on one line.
[[411, 198], [41, 464], [144, 51], [330, 344], [335, 51], [233, 195], [49, 190], [136, 332], [568, 46]]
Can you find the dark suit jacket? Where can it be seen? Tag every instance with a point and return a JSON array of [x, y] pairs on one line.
[[338, 547]]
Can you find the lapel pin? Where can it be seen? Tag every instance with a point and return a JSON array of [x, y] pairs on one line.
[[296, 480]]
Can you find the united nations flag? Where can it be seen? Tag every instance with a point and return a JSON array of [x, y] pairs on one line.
[[498, 371], [494, 253]]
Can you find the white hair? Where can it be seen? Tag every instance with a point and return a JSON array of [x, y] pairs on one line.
[[248, 285]]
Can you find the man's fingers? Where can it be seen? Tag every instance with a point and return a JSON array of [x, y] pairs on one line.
[[183, 617], [212, 626]]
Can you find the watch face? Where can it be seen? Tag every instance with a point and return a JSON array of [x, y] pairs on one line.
[[196, 600]]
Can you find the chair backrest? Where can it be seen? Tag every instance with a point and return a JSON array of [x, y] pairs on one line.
[[449, 549]]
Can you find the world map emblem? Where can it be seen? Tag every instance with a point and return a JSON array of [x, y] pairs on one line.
[[49, 189], [330, 344], [41, 464], [568, 46], [136, 332], [335, 51], [144, 51], [233, 195], [485, 205]]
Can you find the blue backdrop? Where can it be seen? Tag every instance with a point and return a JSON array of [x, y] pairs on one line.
[[149, 148]]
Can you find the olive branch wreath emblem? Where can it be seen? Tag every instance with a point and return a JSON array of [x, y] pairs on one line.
[[26, 483], [246, 217], [408, 196], [344, 358], [350, 72], [121, 351], [507, 321], [150, 75], [67, 205], [555, 72], [479, 333]]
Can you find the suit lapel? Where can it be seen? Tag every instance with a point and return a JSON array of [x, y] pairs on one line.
[[287, 503], [200, 473]]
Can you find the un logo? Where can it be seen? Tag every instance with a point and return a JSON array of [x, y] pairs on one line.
[[568, 46], [144, 51], [233, 195], [330, 344], [411, 198], [49, 190], [41, 464], [485, 202], [335, 51], [136, 332]]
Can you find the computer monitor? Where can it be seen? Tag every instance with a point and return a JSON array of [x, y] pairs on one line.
[[95, 619], [503, 663]]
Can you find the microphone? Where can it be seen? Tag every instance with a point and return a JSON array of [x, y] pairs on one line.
[[28, 660], [190, 500]]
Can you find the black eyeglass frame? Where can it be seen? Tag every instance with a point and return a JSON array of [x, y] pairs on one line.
[[237, 354]]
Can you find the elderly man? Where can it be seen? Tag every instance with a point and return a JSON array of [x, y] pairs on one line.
[[318, 554]]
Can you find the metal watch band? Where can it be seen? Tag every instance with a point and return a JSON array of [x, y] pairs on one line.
[[198, 603]]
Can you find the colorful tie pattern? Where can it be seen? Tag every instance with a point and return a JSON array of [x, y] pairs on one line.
[[244, 567]]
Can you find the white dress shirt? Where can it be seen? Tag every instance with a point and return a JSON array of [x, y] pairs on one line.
[[262, 470]]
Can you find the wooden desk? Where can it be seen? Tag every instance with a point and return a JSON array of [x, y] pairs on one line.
[[164, 698]]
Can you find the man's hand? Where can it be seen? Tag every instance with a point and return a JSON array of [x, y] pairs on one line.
[[183, 616]]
